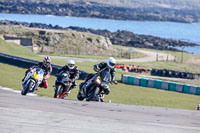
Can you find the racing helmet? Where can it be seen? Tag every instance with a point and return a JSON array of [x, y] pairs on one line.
[[111, 62], [71, 64], [46, 61]]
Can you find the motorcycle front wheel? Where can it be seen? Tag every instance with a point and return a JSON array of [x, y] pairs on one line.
[[92, 93], [28, 87], [79, 97], [58, 91]]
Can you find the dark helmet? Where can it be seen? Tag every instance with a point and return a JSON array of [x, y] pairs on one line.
[[46, 61]]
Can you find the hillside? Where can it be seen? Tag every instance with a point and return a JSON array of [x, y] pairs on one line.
[[173, 4], [141, 10], [65, 41], [123, 38]]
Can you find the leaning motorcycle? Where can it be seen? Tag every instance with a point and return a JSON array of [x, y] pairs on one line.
[[32, 80], [62, 85], [93, 87]]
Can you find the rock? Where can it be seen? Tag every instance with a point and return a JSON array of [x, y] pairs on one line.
[[103, 41], [107, 38], [99, 10]]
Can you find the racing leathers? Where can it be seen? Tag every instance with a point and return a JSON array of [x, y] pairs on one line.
[[74, 75], [103, 65]]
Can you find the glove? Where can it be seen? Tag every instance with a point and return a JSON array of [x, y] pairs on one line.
[[72, 80], [96, 68]]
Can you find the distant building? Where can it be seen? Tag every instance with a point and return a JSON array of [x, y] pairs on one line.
[[20, 40]]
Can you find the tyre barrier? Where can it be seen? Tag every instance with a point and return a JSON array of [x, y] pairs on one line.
[[176, 74], [131, 68], [160, 84], [27, 63]]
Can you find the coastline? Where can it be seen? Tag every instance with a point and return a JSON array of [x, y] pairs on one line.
[[120, 37], [100, 10]]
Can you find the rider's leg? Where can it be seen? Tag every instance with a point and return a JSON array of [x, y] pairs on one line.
[[44, 84], [106, 91], [74, 85]]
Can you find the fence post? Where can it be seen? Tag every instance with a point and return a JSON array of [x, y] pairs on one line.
[[167, 58], [174, 58], [157, 57]]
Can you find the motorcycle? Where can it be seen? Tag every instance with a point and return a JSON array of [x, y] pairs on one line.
[[32, 80], [62, 85], [93, 87]]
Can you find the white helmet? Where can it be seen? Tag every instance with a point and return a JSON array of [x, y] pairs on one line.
[[111, 62], [71, 64]]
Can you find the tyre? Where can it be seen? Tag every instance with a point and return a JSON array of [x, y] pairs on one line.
[[92, 93], [58, 91], [28, 87], [79, 97]]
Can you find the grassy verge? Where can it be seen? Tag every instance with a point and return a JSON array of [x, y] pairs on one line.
[[133, 54], [190, 62], [121, 93], [17, 50]]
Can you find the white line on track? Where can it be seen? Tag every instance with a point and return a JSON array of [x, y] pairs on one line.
[[16, 91]]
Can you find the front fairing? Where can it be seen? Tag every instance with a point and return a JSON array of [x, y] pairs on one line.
[[40, 75], [37, 75], [105, 76], [63, 78], [100, 79]]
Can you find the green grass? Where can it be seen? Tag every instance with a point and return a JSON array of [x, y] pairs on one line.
[[125, 94], [121, 93], [79, 56], [133, 54], [15, 49], [186, 66], [152, 97]]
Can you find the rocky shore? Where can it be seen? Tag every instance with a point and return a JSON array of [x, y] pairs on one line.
[[124, 38], [99, 10]]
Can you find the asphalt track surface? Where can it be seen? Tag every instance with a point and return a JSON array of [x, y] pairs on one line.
[[34, 114]]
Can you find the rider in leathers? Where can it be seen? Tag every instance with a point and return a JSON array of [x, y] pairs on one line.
[[47, 68], [111, 62], [73, 71]]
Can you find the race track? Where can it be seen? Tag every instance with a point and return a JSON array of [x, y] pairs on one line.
[[34, 114]]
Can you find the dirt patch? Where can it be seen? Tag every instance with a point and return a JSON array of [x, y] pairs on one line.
[[194, 61]]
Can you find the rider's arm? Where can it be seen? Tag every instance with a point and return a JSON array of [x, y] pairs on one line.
[[99, 66], [96, 68], [50, 69], [47, 76], [63, 68], [29, 69], [49, 72], [76, 74], [113, 74], [113, 80], [40, 64]]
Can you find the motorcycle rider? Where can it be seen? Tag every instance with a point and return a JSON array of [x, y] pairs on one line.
[[47, 68], [74, 73], [111, 62]]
